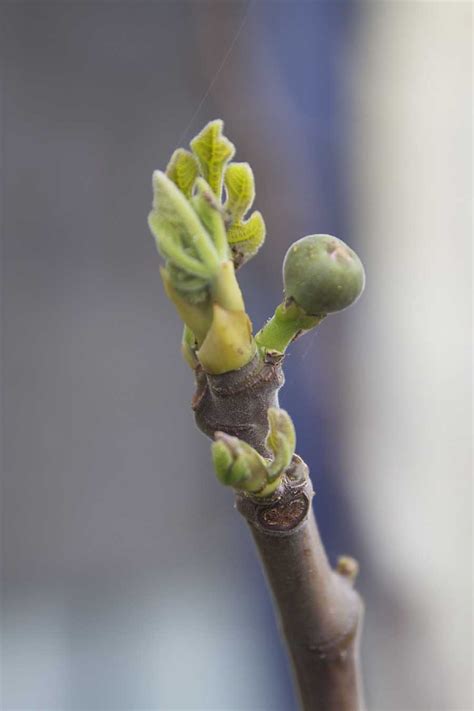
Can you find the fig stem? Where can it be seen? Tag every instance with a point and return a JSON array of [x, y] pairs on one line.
[[286, 324]]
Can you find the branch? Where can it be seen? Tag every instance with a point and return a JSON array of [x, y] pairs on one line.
[[236, 402], [319, 612]]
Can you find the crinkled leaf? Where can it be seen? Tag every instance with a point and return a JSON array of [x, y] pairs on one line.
[[240, 190], [183, 170], [213, 151], [246, 238]]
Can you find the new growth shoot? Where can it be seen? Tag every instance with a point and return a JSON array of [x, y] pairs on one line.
[[203, 230]]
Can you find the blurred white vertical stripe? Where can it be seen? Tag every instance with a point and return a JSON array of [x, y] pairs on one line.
[[37, 660], [409, 374]]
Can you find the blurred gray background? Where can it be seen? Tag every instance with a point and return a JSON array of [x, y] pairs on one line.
[[128, 581]]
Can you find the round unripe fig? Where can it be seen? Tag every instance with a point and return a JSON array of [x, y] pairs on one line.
[[322, 274]]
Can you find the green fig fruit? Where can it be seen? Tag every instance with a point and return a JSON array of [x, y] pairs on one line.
[[322, 274]]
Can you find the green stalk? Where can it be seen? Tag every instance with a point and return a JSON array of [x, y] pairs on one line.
[[288, 321], [226, 290]]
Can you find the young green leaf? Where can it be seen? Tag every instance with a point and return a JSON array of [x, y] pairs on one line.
[[183, 170], [213, 151], [246, 238], [281, 439], [178, 231], [240, 190]]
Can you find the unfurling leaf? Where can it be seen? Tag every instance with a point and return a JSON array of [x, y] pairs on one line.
[[240, 190], [213, 151], [246, 238], [180, 235], [202, 242], [281, 440], [183, 170]]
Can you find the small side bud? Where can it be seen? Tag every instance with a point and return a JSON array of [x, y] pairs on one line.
[[222, 460], [348, 567], [322, 274], [238, 464]]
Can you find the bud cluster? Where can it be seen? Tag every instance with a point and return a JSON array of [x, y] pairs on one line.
[[202, 240], [203, 231]]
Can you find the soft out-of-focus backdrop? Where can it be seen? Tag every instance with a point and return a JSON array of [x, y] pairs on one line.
[[128, 583]]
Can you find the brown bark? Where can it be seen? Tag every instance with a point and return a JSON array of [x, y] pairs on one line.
[[237, 402], [319, 612]]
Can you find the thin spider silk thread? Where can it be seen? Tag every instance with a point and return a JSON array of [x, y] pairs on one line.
[[216, 75]]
